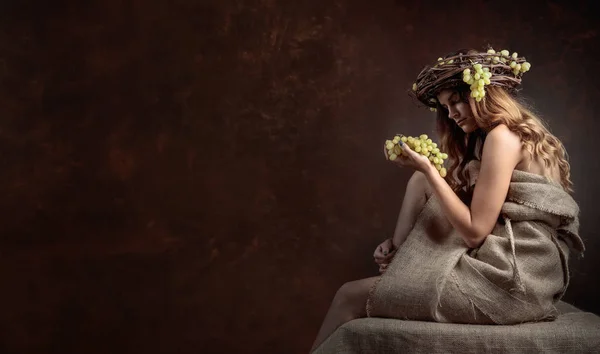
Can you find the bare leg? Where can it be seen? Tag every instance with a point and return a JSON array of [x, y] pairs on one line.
[[349, 303], [351, 299], [417, 193]]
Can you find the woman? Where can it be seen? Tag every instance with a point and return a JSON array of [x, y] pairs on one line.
[[489, 243]]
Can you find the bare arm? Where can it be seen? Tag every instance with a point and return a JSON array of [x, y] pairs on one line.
[[501, 154]]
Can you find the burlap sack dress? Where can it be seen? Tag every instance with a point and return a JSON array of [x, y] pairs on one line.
[[515, 276]]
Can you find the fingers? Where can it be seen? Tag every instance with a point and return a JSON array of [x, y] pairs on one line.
[[380, 259], [389, 243], [385, 248], [384, 252], [383, 267], [384, 259], [378, 252], [408, 150]]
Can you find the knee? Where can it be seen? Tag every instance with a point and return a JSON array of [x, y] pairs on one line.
[[418, 181]]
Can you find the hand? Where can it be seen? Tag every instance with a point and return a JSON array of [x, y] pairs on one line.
[[384, 253], [412, 159]]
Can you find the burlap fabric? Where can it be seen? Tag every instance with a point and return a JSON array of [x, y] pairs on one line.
[[517, 275], [573, 331]]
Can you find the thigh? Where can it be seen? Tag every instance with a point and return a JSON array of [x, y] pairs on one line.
[[354, 295]]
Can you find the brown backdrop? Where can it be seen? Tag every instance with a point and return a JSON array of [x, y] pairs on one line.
[[201, 176]]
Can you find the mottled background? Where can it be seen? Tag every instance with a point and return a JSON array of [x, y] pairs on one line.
[[201, 176]]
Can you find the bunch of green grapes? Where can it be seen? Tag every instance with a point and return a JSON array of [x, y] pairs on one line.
[[479, 78], [422, 145]]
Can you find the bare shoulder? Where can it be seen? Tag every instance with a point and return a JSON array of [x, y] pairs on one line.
[[500, 134], [504, 144]]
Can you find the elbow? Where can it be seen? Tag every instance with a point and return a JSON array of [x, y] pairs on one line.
[[475, 239], [474, 242]]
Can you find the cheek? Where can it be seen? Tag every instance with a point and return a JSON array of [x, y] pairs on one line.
[[464, 109]]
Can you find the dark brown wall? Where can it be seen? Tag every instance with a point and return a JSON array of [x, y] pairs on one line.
[[201, 176]]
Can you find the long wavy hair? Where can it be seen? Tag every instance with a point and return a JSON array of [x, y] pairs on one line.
[[499, 107]]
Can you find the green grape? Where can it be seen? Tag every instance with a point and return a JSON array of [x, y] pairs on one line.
[[443, 172], [444, 155], [422, 145]]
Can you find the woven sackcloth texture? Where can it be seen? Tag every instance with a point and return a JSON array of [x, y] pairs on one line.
[[515, 276], [573, 331]]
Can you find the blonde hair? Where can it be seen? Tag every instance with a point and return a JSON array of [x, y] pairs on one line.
[[499, 107]]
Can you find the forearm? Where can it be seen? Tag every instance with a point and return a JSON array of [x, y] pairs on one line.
[[402, 231], [457, 212]]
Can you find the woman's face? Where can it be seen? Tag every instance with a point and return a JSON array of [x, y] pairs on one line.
[[458, 110]]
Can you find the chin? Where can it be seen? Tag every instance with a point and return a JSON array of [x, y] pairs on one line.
[[468, 128]]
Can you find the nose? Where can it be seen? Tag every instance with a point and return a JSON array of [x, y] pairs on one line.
[[453, 113]]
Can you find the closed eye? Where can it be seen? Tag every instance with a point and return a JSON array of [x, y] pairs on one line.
[[451, 103]]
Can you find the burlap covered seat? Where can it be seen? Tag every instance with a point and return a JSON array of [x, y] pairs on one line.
[[573, 331]]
